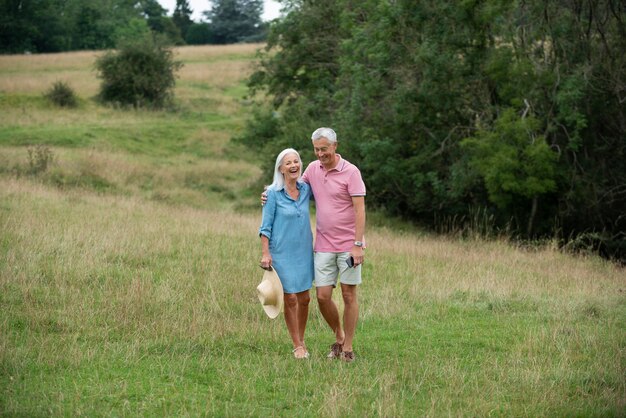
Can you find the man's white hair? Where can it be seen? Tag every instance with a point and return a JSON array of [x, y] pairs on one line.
[[324, 133]]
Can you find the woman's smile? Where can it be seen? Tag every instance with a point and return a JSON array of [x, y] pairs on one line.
[[291, 166]]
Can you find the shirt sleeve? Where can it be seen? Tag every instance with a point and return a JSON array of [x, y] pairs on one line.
[[356, 187], [269, 211], [307, 173]]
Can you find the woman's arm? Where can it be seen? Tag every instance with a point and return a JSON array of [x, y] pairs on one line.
[[266, 257], [265, 231]]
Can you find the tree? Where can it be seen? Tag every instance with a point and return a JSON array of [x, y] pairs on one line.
[[198, 34], [235, 21], [182, 17], [159, 22], [534, 89], [298, 72], [136, 29], [91, 28], [34, 26], [16, 27], [62, 25], [516, 164]]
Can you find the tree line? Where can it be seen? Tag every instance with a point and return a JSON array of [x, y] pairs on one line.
[[504, 115], [37, 26]]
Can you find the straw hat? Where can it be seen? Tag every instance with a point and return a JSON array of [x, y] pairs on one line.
[[270, 293]]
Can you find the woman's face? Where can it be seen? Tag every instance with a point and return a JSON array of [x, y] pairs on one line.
[[290, 166]]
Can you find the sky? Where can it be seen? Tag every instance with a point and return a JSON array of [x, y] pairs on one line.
[[271, 8]]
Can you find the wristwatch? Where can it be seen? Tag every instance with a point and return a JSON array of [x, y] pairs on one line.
[[358, 244]]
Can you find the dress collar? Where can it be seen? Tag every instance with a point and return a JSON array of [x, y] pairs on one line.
[[298, 186]]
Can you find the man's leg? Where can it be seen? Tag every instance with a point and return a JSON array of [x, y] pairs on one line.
[[329, 311], [350, 313]]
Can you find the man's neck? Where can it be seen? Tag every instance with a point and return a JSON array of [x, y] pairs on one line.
[[333, 164]]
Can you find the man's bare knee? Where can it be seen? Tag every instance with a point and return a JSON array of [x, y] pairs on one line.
[[324, 294], [349, 294]]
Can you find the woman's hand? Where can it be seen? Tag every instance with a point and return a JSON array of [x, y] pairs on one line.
[[266, 257], [266, 261]]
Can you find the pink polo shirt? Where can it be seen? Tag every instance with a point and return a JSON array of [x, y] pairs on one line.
[[333, 191]]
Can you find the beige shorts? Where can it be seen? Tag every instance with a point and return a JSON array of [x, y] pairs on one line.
[[332, 267]]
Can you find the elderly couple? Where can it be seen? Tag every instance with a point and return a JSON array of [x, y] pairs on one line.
[[287, 243]]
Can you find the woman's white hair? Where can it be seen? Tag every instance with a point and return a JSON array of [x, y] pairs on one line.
[[324, 133], [279, 180]]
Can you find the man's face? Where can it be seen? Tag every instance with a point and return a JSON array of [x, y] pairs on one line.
[[325, 151]]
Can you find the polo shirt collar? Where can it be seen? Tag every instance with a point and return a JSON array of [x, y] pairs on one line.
[[340, 164]]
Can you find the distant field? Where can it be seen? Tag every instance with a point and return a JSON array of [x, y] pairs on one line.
[[128, 267], [33, 74]]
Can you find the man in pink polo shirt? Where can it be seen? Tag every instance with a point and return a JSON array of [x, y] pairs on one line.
[[339, 194]]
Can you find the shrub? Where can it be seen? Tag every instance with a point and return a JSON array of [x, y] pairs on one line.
[[61, 94], [140, 74]]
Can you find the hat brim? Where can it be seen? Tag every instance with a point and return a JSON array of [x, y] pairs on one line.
[[271, 283]]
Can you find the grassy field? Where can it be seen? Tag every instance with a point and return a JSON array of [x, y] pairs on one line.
[[129, 262]]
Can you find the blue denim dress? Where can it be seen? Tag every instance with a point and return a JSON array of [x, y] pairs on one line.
[[287, 224]]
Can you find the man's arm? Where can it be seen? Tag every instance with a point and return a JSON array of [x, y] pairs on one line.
[[305, 175], [358, 202]]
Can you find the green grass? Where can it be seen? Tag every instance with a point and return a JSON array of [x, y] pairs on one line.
[[142, 132], [128, 270]]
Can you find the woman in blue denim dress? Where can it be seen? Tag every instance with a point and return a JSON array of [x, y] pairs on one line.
[[287, 242]]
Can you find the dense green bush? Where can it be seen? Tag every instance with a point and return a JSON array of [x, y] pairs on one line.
[[513, 109], [61, 94], [140, 74]]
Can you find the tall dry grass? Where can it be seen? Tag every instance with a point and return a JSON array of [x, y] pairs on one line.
[[486, 272], [122, 260]]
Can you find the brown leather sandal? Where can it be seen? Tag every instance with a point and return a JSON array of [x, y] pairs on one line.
[[335, 351]]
